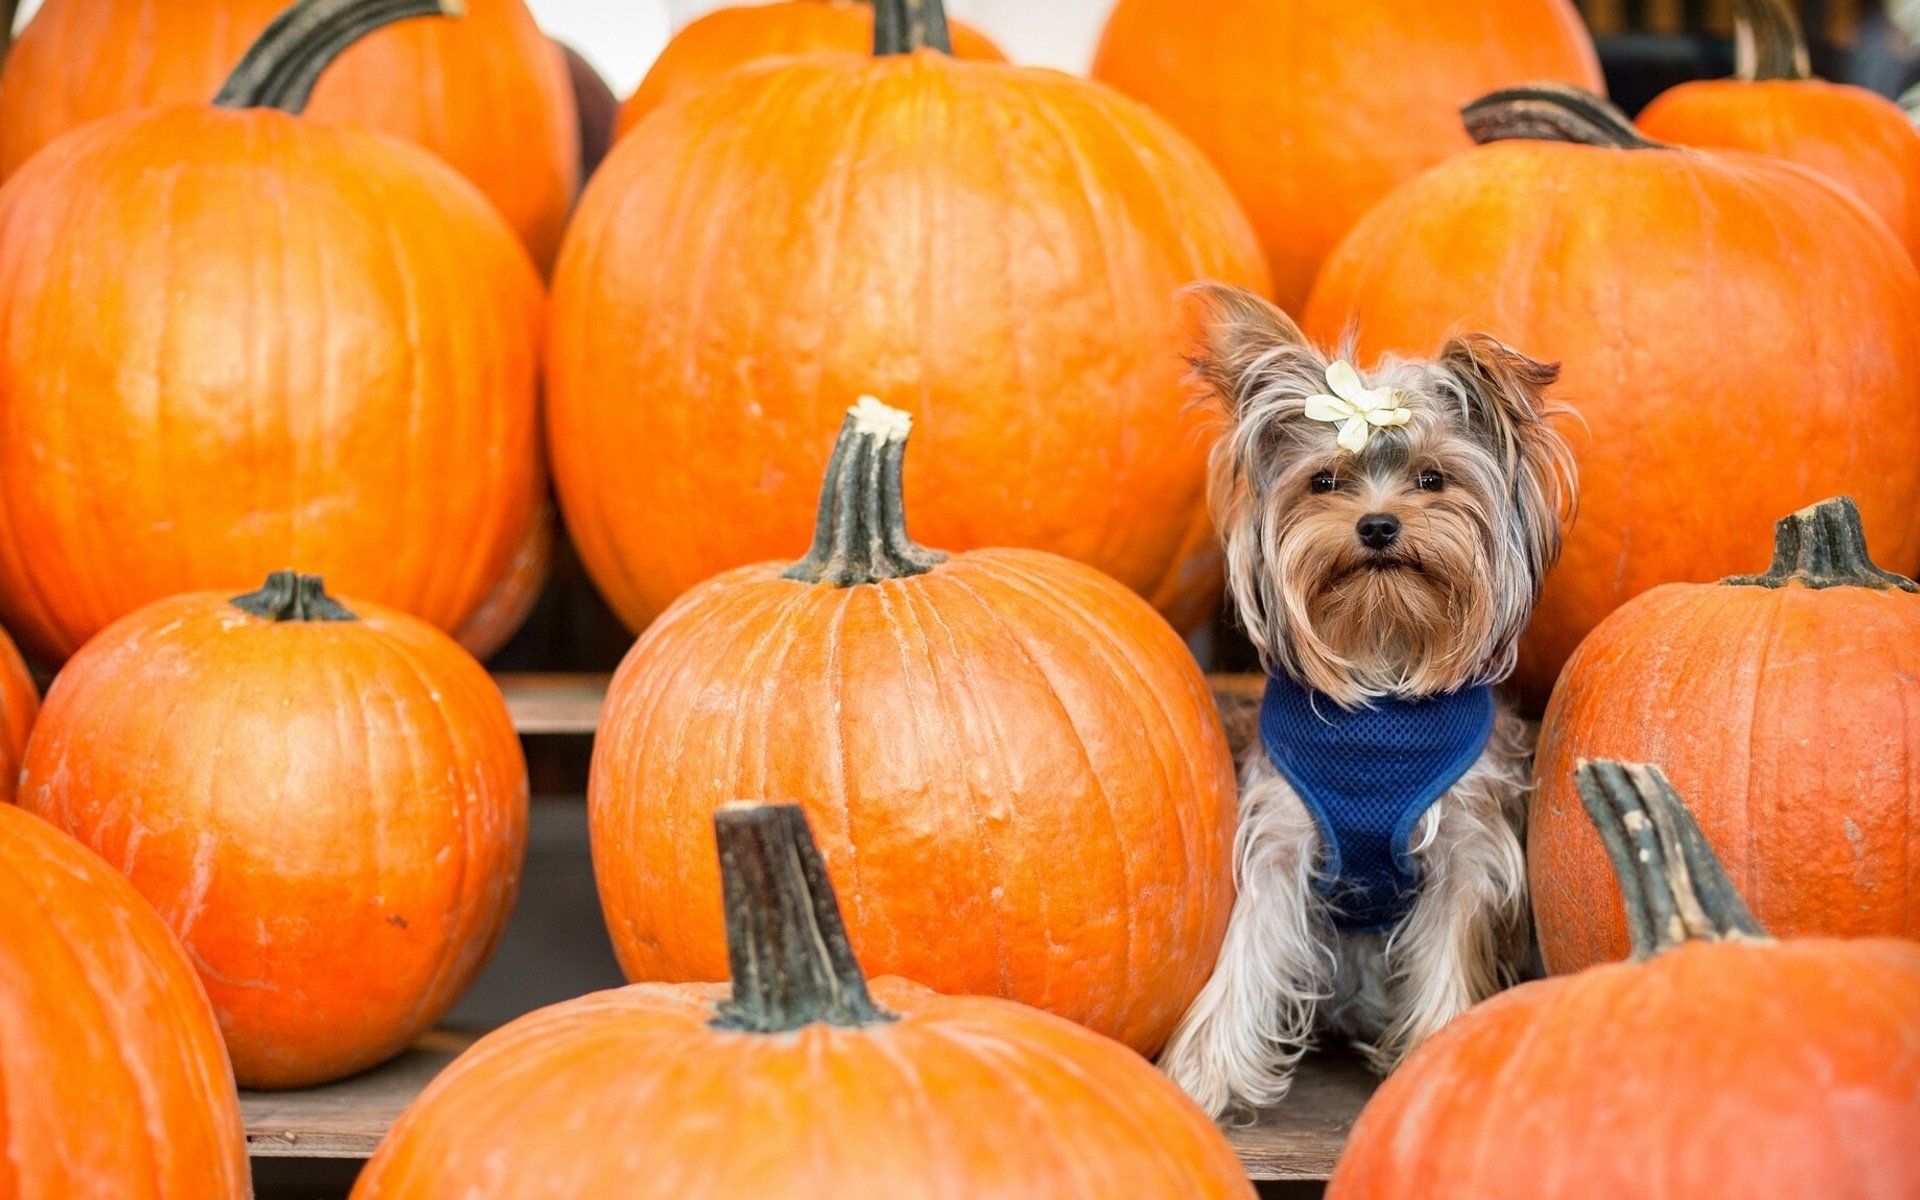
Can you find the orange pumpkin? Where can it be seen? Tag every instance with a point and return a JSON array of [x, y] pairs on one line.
[[730, 37], [507, 607], [1017, 766], [304, 344], [488, 93], [1788, 704], [1734, 334], [326, 802], [797, 1082], [1718, 1065], [997, 247], [1315, 109], [19, 701], [1857, 138], [112, 1078]]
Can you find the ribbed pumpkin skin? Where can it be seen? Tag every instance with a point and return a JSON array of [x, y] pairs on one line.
[[19, 701], [303, 345], [1858, 139], [1315, 109], [1737, 338], [1715, 1071], [112, 1078], [630, 1093], [486, 92], [731, 37], [332, 816], [1013, 767], [995, 248], [1790, 715]]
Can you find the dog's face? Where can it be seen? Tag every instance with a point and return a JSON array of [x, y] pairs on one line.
[[1404, 562]]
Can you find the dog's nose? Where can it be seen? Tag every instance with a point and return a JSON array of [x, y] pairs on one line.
[[1378, 530]]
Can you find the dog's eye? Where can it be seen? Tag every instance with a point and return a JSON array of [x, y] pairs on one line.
[[1431, 481], [1324, 482]]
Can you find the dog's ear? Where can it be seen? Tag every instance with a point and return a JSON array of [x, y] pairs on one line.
[[1507, 407], [1236, 332]]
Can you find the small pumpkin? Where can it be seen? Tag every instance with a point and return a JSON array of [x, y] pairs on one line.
[[1315, 109], [998, 247], [1788, 705], [1718, 1065], [1857, 138], [303, 343], [488, 93], [1016, 765], [797, 1081], [1735, 336], [733, 36], [112, 1078], [325, 800], [19, 701]]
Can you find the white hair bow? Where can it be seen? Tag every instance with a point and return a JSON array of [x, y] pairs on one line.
[[1355, 408]]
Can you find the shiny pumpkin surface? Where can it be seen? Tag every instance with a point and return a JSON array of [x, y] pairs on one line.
[[1315, 109], [330, 814], [302, 344], [1736, 338], [486, 92], [630, 1093], [995, 248], [19, 701], [1013, 766], [112, 1079]]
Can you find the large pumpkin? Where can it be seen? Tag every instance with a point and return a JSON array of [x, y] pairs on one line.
[[326, 801], [1857, 138], [994, 246], [1735, 336], [1788, 705], [112, 1078], [797, 1082], [488, 93], [1015, 764], [1315, 109], [730, 37], [303, 344], [1718, 1065], [19, 701]]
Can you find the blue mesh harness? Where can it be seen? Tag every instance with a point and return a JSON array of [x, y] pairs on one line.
[[1368, 776]]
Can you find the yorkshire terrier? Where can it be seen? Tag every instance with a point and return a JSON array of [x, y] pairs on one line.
[[1386, 535]]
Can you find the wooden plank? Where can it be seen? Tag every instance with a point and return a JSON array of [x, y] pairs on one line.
[[1300, 1139]]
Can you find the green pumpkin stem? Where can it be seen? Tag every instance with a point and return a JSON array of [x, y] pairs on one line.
[[1767, 41], [1823, 546], [282, 66], [287, 596], [791, 962], [903, 26], [1674, 887], [1552, 112], [860, 533]]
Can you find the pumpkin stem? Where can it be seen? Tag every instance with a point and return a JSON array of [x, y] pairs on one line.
[[1552, 112], [1823, 546], [281, 67], [1675, 889], [860, 534], [903, 26], [1767, 42], [287, 596], [786, 944]]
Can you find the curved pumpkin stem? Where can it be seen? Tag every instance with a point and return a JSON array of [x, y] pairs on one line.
[[787, 947], [287, 596], [1552, 112], [1823, 546], [860, 534], [282, 66], [1675, 889], [903, 26], [1767, 41]]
